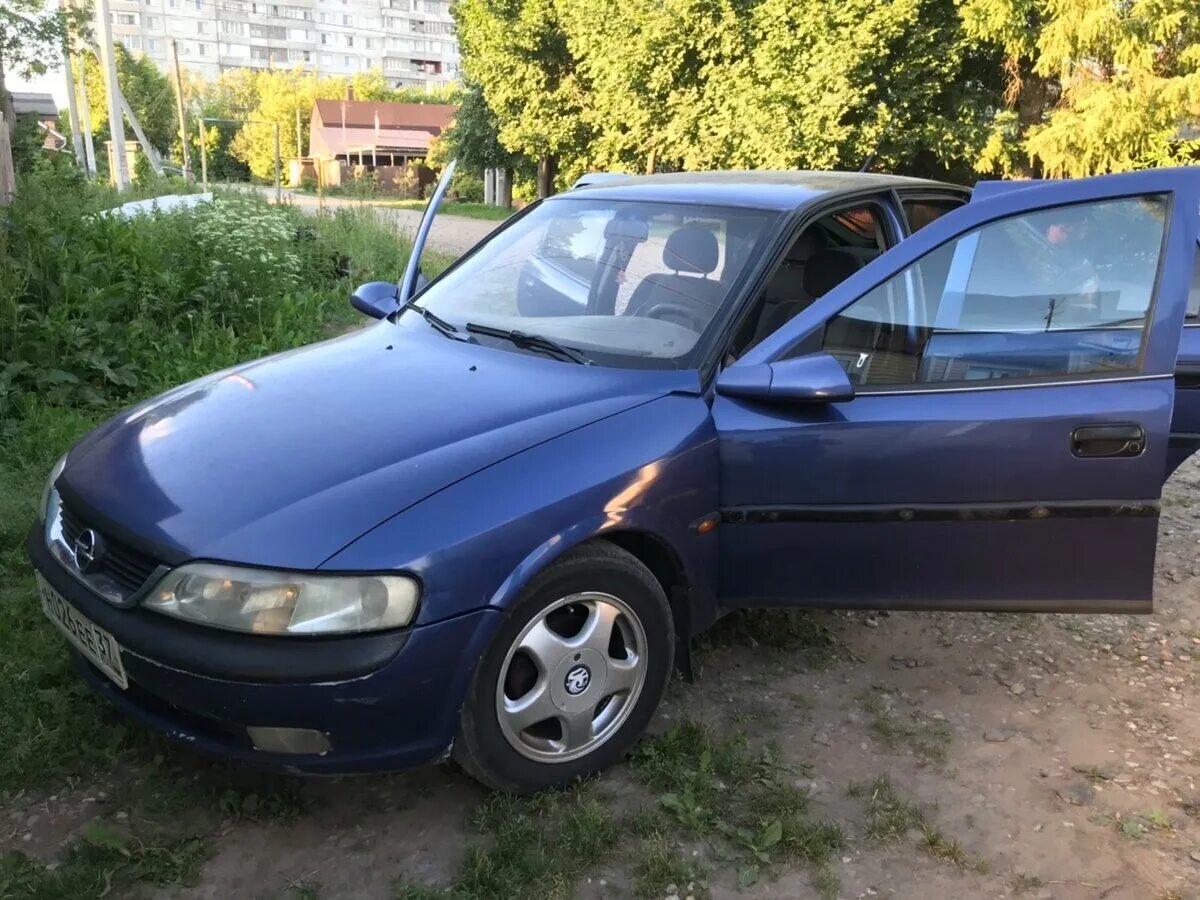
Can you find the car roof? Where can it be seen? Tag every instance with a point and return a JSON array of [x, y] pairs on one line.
[[778, 190]]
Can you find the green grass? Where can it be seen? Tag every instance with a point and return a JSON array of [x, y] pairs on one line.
[[57, 734], [891, 818], [660, 864], [927, 738], [449, 207], [457, 208], [530, 848], [719, 790], [107, 861]]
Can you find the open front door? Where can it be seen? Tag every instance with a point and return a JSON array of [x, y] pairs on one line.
[[412, 280], [1006, 444]]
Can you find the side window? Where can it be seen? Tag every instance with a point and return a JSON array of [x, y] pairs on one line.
[[920, 212], [824, 254], [1057, 292]]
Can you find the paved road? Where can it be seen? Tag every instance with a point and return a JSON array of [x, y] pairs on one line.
[[450, 234]]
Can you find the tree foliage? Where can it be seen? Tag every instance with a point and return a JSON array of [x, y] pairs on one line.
[[474, 137], [148, 91], [933, 87], [1114, 86], [518, 52], [32, 34], [261, 99]]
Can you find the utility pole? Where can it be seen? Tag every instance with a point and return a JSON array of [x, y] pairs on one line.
[[116, 124], [85, 117], [203, 157], [299, 142], [278, 168], [183, 131], [72, 105], [8, 177]]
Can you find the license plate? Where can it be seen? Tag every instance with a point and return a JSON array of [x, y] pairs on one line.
[[100, 648]]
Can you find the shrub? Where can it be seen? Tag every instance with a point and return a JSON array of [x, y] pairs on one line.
[[97, 310], [467, 186]]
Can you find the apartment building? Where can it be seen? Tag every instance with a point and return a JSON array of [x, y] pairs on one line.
[[412, 41]]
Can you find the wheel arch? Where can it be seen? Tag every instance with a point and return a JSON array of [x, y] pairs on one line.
[[664, 563]]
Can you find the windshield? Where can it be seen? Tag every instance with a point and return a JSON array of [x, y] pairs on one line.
[[624, 283]]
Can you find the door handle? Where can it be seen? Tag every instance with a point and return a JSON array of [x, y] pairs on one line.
[[1108, 441]]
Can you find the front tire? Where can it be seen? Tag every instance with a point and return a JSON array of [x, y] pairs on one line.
[[573, 676]]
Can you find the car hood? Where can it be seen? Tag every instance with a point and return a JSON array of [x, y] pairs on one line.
[[284, 461]]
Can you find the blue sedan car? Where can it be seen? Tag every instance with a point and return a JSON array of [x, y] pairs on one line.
[[490, 524]]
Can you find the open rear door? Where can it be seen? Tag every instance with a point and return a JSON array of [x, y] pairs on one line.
[[1185, 425], [412, 280], [1014, 368]]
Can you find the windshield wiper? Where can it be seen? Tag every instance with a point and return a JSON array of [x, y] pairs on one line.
[[532, 342], [436, 321]]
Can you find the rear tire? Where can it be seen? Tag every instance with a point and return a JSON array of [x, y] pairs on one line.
[[573, 676]]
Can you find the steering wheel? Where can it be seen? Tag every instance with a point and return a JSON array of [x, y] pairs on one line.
[[669, 311]]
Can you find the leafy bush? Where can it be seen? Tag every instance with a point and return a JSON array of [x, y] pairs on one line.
[[97, 310], [467, 186]]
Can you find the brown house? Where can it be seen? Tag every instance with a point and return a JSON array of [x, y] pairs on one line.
[[350, 138]]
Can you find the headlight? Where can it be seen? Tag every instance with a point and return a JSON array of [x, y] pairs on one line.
[[268, 602], [43, 507]]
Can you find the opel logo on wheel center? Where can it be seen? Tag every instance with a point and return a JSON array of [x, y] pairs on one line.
[[577, 680], [88, 549]]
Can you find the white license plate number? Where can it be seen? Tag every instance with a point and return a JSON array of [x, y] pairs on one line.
[[97, 645]]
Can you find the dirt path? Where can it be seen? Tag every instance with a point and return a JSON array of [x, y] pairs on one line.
[[962, 756]]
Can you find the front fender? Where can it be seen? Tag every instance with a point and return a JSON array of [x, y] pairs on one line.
[[477, 543]]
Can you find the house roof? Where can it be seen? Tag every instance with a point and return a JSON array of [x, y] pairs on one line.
[[432, 117], [25, 103], [329, 140]]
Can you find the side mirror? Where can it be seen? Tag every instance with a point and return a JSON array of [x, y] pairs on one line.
[[817, 378], [378, 299]]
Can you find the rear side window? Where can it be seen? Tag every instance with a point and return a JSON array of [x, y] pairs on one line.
[[1051, 293], [919, 213]]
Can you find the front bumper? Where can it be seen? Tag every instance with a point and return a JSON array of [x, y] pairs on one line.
[[387, 701]]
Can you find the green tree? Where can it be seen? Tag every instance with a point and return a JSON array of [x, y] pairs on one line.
[[517, 51], [1093, 86], [832, 84], [147, 90], [474, 140], [278, 95], [31, 35]]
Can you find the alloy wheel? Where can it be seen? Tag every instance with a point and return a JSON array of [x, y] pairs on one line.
[[571, 677]]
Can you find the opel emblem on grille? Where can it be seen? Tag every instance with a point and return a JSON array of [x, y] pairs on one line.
[[88, 549]]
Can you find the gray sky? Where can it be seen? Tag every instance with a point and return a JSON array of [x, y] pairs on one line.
[[51, 83]]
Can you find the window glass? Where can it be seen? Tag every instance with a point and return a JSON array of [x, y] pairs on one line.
[[919, 213], [824, 255], [1063, 291], [627, 283]]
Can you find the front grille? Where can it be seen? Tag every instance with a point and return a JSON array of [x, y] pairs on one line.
[[127, 567]]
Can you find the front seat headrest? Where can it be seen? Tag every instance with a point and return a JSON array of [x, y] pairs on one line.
[[808, 243], [691, 249], [826, 269]]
